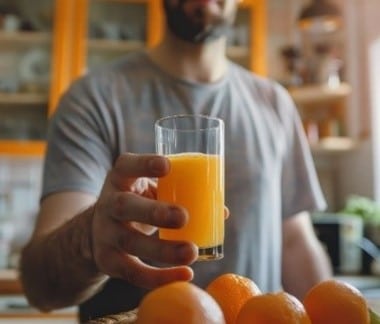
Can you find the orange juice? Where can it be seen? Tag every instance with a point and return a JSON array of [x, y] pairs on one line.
[[196, 182]]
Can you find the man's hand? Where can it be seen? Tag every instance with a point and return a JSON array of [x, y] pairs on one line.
[[126, 215]]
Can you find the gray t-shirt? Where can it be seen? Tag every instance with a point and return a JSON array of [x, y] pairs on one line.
[[269, 170]]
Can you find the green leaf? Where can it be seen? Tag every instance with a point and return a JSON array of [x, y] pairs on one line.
[[363, 207], [374, 317]]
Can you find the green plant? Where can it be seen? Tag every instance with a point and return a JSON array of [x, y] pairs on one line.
[[374, 317], [363, 207]]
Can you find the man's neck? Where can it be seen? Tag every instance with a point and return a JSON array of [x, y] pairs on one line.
[[205, 63]]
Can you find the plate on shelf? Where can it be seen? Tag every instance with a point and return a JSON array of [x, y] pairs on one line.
[[34, 70]]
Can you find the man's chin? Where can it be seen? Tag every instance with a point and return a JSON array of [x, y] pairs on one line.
[[196, 33], [194, 23]]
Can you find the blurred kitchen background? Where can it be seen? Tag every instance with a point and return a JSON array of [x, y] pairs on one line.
[[326, 52]]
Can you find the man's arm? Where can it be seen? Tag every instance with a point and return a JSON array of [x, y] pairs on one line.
[[57, 261], [77, 244], [304, 261]]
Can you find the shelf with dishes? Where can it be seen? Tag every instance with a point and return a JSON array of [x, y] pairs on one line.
[[318, 94], [23, 123], [334, 145], [25, 38], [124, 1], [323, 111], [115, 45], [234, 52], [23, 99]]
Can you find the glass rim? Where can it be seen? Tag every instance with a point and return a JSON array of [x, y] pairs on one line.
[[219, 121]]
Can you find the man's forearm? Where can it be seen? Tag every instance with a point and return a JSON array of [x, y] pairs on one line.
[[57, 269], [306, 266], [304, 261]]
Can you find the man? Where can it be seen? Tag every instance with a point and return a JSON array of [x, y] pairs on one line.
[[94, 241]]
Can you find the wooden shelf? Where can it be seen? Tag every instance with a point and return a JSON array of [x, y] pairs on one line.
[[25, 38], [23, 98], [317, 94], [22, 147], [115, 45], [334, 145]]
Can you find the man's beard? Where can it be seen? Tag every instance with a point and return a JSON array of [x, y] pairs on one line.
[[194, 31]]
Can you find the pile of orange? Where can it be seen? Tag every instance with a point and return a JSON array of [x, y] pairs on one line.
[[234, 299]]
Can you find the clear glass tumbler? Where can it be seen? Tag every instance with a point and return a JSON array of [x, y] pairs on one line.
[[194, 145]]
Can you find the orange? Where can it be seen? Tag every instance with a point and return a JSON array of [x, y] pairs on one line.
[[231, 291], [333, 301], [179, 302], [273, 308]]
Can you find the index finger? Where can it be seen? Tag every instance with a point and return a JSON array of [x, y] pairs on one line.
[[128, 167]]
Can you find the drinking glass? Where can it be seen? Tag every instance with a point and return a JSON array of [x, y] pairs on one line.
[[194, 144]]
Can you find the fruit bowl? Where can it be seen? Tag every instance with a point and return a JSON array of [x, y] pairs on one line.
[[120, 318]]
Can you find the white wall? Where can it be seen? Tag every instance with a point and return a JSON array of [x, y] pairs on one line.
[[374, 80]]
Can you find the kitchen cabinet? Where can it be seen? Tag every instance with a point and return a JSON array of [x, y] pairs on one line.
[[48, 43], [36, 67], [109, 36], [115, 28], [25, 56]]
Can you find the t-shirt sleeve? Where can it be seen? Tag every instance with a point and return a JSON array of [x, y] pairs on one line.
[[79, 151], [301, 190]]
